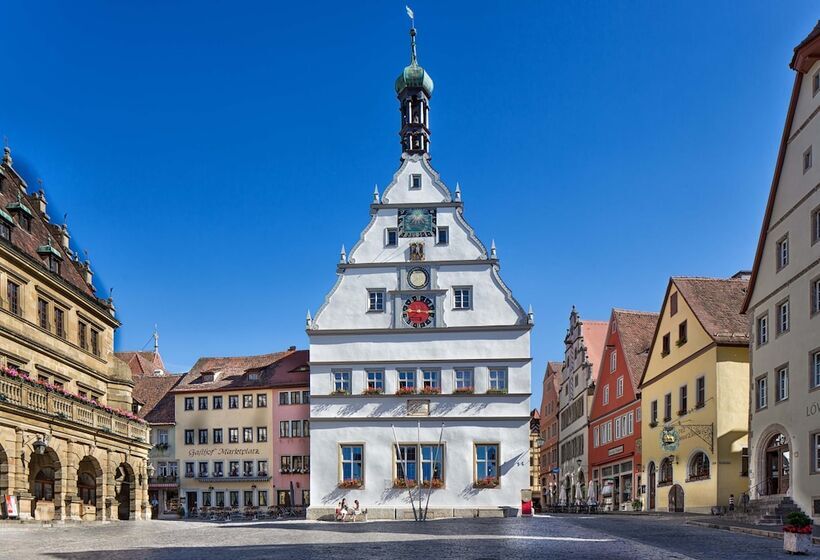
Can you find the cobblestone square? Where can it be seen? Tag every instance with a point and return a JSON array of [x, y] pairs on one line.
[[612, 537]]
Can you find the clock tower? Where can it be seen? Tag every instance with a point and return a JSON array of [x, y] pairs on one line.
[[420, 354]]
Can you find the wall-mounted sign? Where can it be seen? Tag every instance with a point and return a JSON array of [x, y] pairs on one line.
[[418, 407], [615, 450], [223, 451], [11, 506], [670, 439]]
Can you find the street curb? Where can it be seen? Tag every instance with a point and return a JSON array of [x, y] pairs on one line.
[[747, 530]]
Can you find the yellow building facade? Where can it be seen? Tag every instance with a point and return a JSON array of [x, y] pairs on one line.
[[694, 398], [70, 446]]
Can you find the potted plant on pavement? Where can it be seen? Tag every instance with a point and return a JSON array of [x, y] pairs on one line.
[[797, 533]]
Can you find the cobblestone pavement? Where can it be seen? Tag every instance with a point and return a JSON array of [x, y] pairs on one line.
[[613, 537]]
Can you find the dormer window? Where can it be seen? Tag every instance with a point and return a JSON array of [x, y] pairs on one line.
[[253, 376], [6, 223], [53, 264], [208, 377], [51, 256], [21, 212]]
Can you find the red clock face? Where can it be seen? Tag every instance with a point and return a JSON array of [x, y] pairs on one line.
[[418, 311]]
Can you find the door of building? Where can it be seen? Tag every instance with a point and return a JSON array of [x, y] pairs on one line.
[[191, 501], [778, 464], [676, 498], [651, 487]]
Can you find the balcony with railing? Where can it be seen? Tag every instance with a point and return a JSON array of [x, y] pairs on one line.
[[38, 398]]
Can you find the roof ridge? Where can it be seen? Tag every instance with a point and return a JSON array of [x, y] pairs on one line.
[[710, 278], [634, 312]]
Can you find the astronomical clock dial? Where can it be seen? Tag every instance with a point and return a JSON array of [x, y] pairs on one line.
[[417, 222], [418, 278], [418, 311]]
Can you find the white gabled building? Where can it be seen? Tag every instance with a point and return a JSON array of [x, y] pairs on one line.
[[419, 332]]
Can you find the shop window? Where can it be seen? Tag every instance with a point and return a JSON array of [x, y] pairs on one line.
[[699, 466]]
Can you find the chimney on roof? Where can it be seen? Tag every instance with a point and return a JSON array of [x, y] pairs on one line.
[[742, 275], [292, 349]]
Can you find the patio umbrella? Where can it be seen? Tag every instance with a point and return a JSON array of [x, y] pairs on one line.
[[579, 492], [562, 496], [592, 500]]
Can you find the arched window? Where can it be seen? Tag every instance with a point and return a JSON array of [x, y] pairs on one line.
[[87, 488], [665, 472], [699, 466], [44, 484]]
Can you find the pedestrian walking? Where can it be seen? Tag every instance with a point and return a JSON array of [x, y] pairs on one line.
[[731, 502]]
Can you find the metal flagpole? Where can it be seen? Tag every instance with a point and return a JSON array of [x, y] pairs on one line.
[[418, 482], [404, 469], [432, 470]]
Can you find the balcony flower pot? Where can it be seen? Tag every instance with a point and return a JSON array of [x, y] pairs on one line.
[[488, 482], [340, 392], [431, 391], [373, 391], [464, 391], [406, 391], [403, 483], [434, 484], [350, 484], [797, 533]]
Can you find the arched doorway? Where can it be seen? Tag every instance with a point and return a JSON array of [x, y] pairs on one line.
[[125, 490], [89, 487], [652, 477], [45, 484], [676, 498], [4, 479], [778, 464]]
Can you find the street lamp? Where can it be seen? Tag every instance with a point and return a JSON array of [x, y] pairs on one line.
[[40, 445], [539, 442], [150, 469]]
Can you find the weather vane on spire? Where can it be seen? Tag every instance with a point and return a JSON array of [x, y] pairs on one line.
[[411, 16]]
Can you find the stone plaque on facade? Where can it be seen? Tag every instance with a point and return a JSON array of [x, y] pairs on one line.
[[418, 407]]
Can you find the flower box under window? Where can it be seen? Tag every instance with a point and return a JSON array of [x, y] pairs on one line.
[[464, 391], [496, 391], [406, 391], [373, 391], [403, 483], [340, 392], [488, 482], [434, 484], [352, 483], [431, 390]]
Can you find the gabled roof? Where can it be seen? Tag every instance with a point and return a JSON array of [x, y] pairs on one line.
[[635, 330], [594, 333], [716, 302], [158, 402], [142, 363], [232, 372], [805, 55]]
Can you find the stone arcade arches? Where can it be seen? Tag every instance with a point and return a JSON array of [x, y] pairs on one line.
[[90, 486], [45, 478], [4, 478], [125, 488]]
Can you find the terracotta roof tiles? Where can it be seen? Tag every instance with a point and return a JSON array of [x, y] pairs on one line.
[[635, 332], [232, 372], [717, 302]]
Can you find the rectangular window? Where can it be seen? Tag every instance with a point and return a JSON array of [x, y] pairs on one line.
[[807, 160], [815, 83], [761, 393], [666, 345], [762, 330], [406, 464], [162, 437], [618, 428], [375, 381], [218, 468], [815, 226], [744, 461], [262, 468], [305, 397], [95, 342], [5, 231], [815, 369], [247, 468], [667, 407], [82, 336], [247, 401], [700, 392], [684, 400], [189, 469], [673, 304], [442, 235], [462, 298], [682, 334], [605, 398], [391, 237], [284, 429], [498, 380], [247, 435], [203, 469], [217, 403], [284, 464], [486, 462], [782, 375], [284, 397], [203, 403], [464, 380], [816, 452], [203, 437], [341, 382], [415, 181], [375, 300], [783, 252], [189, 403], [59, 322], [217, 435], [233, 401], [233, 435], [42, 313], [596, 436], [352, 468], [234, 496], [407, 380], [233, 468], [295, 397], [619, 387], [189, 437], [261, 400], [432, 463], [306, 428], [296, 428], [431, 379], [815, 296], [613, 361], [13, 296], [783, 317]]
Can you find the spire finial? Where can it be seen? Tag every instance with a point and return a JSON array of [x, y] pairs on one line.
[[343, 255], [458, 192], [493, 254], [156, 340], [530, 316], [308, 319], [376, 194], [6, 151], [413, 59]]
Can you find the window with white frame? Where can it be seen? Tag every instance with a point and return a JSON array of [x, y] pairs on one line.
[[391, 237], [375, 300], [782, 376], [606, 432], [816, 454], [605, 398], [442, 235], [619, 387], [762, 329], [341, 382], [596, 436], [783, 252], [464, 379], [462, 298], [498, 380], [486, 462], [815, 296], [815, 369], [618, 428], [431, 379], [762, 392], [613, 361], [407, 379], [815, 225], [783, 317], [375, 381], [352, 463]]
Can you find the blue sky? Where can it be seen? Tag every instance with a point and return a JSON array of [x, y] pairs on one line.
[[213, 157]]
